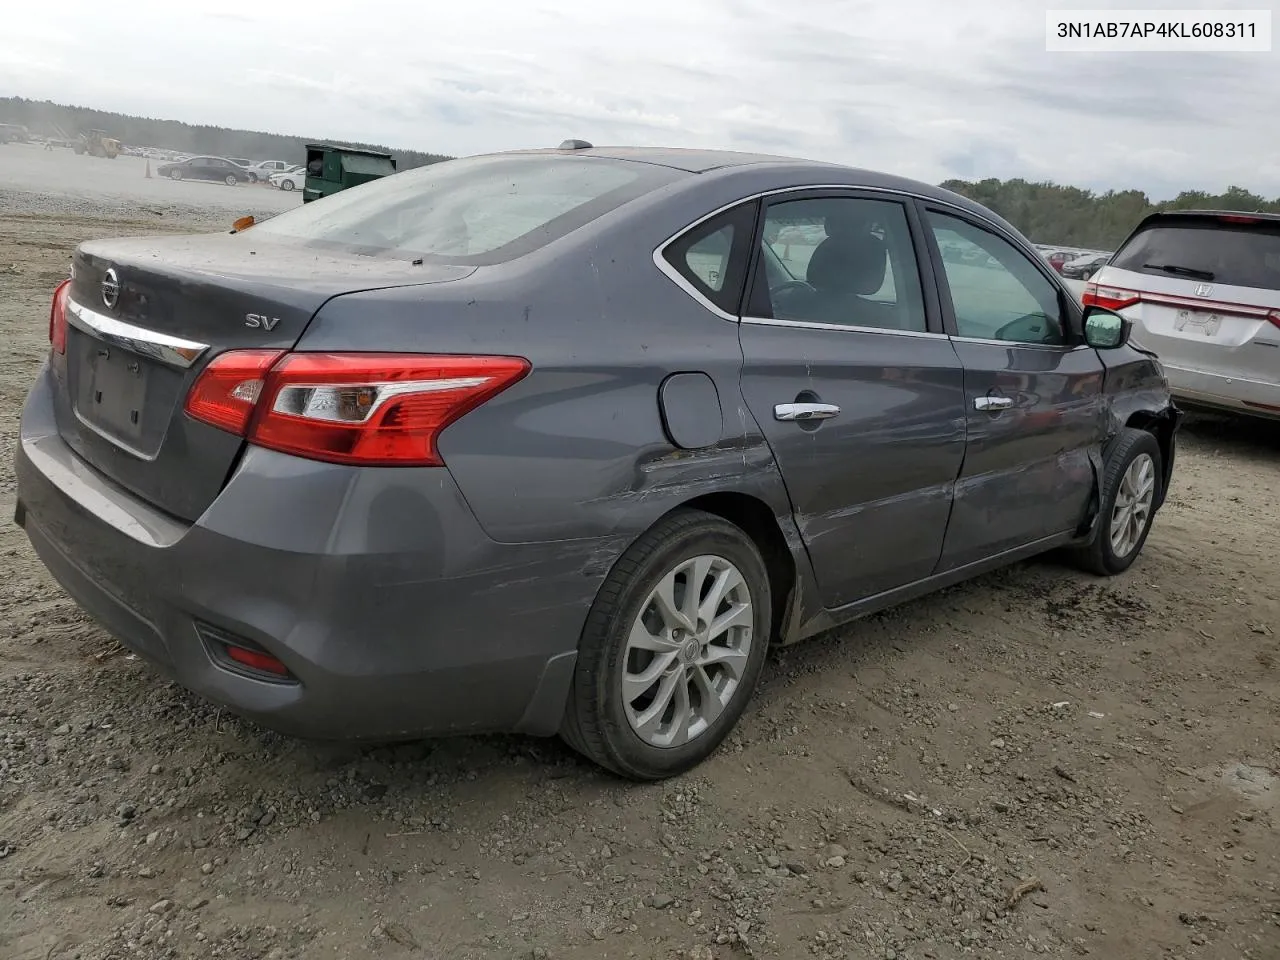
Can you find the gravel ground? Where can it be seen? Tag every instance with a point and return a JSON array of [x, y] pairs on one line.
[[1036, 763]]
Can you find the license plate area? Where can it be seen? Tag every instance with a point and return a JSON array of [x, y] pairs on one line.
[[116, 390], [1193, 322]]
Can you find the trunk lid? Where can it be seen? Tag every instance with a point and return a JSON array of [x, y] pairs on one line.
[[148, 314]]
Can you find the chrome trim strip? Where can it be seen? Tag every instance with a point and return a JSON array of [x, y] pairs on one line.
[[174, 351], [1061, 347], [843, 327]]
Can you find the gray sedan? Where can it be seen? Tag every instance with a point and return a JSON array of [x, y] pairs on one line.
[[561, 441]]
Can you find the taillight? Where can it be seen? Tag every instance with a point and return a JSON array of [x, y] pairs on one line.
[[58, 318], [358, 408], [1109, 298], [1274, 317], [229, 387]]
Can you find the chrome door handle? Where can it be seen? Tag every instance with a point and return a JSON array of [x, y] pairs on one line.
[[992, 403], [805, 411]]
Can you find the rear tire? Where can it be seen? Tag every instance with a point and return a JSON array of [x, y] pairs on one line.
[[1132, 485], [662, 676], [231, 180]]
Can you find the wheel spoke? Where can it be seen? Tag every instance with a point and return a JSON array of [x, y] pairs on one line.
[[726, 581], [734, 661], [664, 599], [682, 718], [738, 615], [696, 573], [635, 685], [641, 639], [710, 702], [649, 721]]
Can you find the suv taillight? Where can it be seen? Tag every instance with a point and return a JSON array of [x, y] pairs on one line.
[[1274, 317], [1109, 298], [358, 408], [58, 318]]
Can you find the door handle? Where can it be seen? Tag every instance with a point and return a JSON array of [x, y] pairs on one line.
[[805, 411], [992, 404]]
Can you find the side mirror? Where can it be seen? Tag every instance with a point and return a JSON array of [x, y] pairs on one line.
[[1105, 330]]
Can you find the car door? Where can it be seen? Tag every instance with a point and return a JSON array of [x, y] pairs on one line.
[[851, 378], [1033, 392]]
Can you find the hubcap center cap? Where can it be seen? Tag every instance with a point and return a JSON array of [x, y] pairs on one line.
[[689, 652]]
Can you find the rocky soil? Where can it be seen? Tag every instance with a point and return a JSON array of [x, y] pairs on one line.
[[1038, 763]]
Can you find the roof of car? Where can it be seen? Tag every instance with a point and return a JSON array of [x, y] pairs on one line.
[[708, 161], [1251, 214]]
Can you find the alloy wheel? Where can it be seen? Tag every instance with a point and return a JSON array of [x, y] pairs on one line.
[[687, 651]]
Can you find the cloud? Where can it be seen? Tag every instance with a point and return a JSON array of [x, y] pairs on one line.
[[923, 88]]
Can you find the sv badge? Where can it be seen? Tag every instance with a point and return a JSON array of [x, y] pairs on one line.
[[258, 321]]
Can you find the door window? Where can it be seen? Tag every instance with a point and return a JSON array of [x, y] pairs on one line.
[[839, 260], [712, 257], [997, 293]]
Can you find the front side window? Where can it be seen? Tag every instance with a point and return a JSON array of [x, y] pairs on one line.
[[997, 293], [477, 210], [839, 260]]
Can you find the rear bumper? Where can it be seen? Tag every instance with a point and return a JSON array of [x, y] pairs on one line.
[[396, 616], [1259, 397]]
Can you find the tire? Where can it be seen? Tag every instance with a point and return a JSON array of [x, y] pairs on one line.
[[175, 174], [1104, 556], [286, 184], [231, 180], [600, 722]]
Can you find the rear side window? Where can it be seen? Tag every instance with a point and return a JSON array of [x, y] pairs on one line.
[[1207, 249], [478, 210], [712, 257]]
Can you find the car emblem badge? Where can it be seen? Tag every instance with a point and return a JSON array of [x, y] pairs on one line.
[[111, 289], [1203, 289]]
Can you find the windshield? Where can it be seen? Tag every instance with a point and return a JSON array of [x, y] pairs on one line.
[[477, 210], [1237, 254]]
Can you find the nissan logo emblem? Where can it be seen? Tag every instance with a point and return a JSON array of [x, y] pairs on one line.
[[111, 289]]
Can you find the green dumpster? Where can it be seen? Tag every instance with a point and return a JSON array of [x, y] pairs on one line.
[[331, 168]]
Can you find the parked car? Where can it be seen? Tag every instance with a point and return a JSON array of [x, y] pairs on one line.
[[1202, 289], [265, 169], [294, 179], [1082, 268], [553, 441], [1058, 258], [204, 168]]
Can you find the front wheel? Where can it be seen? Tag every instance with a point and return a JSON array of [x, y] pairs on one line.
[[231, 180], [286, 184], [175, 174], [672, 648], [1131, 490]]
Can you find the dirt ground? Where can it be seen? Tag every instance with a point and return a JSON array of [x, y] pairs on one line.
[[1035, 763]]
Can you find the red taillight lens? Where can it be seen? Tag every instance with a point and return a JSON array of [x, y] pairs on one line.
[[1274, 317], [58, 318], [359, 408], [229, 387], [1109, 298]]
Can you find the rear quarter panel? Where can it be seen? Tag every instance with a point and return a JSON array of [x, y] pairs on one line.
[[578, 448]]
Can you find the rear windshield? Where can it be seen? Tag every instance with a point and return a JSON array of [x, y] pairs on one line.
[[477, 210], [1203, 248]]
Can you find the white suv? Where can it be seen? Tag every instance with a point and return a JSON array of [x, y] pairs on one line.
[[1202, 288]]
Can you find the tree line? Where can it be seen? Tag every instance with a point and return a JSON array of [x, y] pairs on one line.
[[1051, 213], [45, 118]]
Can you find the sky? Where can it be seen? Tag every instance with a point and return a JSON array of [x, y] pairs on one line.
[[928, 89]]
